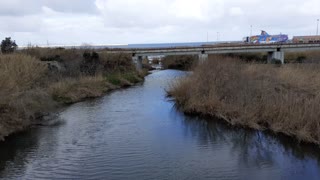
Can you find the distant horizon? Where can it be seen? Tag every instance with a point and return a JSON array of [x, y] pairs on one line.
[[126, 44], [157, 21]]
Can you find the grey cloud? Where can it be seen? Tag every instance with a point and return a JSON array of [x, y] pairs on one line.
[[19, 7], [71, 6], [30, 7], [140, 21]]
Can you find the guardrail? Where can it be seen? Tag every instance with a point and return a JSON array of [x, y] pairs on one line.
[[221, 48]]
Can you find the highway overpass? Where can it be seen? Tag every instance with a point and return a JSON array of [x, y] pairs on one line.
[[275, 51]]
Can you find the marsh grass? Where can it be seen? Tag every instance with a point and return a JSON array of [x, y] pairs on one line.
[[18, 73], [282, 99], [30, 89], [76, 89], [21, 94]]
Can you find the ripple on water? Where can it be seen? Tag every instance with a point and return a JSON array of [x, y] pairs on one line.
[[137, 134]]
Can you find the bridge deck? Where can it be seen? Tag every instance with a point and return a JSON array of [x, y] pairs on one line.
[[220, 49]]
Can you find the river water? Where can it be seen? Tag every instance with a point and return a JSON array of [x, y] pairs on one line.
[[137, 133]]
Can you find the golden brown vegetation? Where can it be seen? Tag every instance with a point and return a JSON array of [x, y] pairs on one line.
[[37, 80], [20, 93], [18, 73], [72, 90], [282, 99]]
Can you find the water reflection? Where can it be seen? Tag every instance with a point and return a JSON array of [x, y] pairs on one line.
[[138, 134], [255, 149], [16, 150]]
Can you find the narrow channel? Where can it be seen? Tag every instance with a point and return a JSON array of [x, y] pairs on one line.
[[137, 133]]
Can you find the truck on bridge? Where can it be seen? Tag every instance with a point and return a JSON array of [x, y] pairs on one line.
[[265, 38]]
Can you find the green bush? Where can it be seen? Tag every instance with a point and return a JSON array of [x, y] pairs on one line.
[[114, 79], [8, 46]]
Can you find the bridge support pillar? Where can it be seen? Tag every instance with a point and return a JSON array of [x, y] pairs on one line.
[[203, 58], [137, 61], [276, 55], [270, 57]]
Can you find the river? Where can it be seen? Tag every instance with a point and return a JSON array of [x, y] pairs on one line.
[[136, 133]]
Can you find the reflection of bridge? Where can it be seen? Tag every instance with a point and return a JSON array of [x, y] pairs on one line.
[[275, 51]]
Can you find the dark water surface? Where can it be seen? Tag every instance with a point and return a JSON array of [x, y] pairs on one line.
[[136, 133]]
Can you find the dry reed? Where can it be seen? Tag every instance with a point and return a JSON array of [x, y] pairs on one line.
[[282, 99], [72, 90], [30, 87], [18, 73]]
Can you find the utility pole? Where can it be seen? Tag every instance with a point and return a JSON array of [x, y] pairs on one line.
[[217, 36], [317, 27], [250, 30]]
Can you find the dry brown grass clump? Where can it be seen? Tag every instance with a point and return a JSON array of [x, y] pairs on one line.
[[36, 80], [76, 89], [21, 97], [284, 99], [18, 73]]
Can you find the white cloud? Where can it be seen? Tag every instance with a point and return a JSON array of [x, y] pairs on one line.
[[128, 13], [29, 23], [152, 21], [236, 11], [70, 6], [311, 7], [202, 10]]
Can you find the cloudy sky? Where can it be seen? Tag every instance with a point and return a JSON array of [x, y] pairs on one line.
[[151, 21]]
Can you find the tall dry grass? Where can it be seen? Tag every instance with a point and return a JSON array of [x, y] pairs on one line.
[[283, 99], [18, 73], [21, 97], [72, 90], [30, 87]]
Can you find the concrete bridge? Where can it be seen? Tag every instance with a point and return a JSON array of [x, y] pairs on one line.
[[275, 51]]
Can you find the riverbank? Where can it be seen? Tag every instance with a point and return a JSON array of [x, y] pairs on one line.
[[260, 96], [36, 81], [130, 133]]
